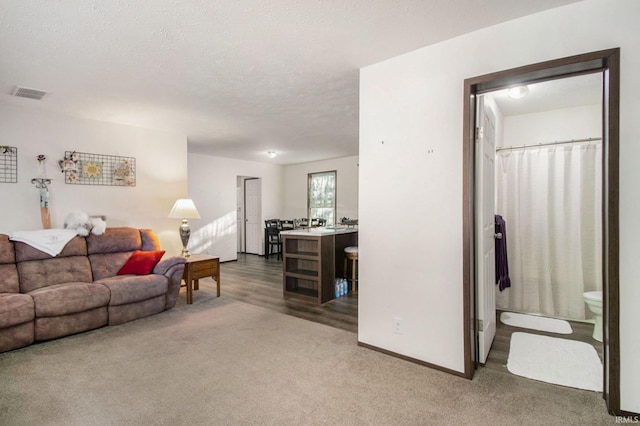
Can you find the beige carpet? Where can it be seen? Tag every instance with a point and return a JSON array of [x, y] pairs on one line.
[[221, 362]]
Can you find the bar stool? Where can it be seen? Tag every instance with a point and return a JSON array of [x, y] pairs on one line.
[[351, 253]]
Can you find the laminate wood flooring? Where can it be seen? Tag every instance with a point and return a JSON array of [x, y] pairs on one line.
[[257, 280]]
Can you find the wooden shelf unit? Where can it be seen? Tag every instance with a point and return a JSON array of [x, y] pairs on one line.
[[311, 263]]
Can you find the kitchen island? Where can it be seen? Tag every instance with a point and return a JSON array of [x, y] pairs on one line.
[[312, 259]]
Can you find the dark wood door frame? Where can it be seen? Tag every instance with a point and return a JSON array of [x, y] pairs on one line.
[[607, 62]]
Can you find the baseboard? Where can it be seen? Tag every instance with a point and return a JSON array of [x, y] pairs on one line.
[[410, 359]]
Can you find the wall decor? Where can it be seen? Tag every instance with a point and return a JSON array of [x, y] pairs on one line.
[[42, 183], [8, 164], [81, 168]]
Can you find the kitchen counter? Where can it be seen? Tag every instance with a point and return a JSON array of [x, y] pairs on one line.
[[321, 231], [313, 258]]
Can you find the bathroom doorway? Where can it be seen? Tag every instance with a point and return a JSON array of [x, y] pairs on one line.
[[548, 190], [548, 193], [606, 62]]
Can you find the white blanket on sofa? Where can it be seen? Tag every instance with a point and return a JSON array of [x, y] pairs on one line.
[[50, 241]]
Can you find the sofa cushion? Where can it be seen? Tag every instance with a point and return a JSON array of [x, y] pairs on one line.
[[134, 288], [69, 298], [108, 264], [141, 262], [43, 273], [46, 328], [149, 240], [17, 336], [76, 247], [7, 254], [115, 240], [9, 282], [15, 308], [8, 273], [131, 311]]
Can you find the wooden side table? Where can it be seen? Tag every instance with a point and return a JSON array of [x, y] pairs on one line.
[[200, 266]]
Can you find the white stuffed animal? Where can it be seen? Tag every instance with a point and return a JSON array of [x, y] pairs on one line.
[[83, 224], [99, 226]]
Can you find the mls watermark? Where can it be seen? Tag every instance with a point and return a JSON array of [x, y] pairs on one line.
[[627, 419]]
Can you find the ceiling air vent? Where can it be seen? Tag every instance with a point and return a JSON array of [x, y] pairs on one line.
[[23, 92]]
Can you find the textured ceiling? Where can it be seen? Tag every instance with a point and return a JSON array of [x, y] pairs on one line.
[[237, 77]]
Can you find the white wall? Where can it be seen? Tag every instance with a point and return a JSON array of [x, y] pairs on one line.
[[412, 267], [212, 186], [556, 125], [161, 176], [295, 186]]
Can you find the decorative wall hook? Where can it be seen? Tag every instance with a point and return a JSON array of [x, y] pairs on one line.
[[41, 183]]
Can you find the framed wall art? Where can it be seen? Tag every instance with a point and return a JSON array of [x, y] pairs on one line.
[[8, 164], [82, 168]]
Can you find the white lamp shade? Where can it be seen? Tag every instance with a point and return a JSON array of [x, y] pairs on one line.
[[184, 209]]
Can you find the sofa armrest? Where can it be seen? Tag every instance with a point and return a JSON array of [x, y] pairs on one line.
[[173, 269], [166, 264]]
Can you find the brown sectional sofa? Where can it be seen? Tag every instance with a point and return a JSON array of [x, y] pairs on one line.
[[44, 297]]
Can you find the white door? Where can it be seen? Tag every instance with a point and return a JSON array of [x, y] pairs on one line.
[[252, 202], [240, 218], [485, 229]]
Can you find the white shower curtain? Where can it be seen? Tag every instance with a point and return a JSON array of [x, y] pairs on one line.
[[550, 198]]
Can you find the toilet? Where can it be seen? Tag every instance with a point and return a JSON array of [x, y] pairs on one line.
[[593, 299]]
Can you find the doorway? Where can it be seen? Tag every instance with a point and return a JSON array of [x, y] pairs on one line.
[[548, 186], [249, 207], [606, 62], [548, 199]]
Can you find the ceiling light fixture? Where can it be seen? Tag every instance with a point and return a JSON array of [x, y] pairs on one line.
[[518, 92], [271, 154]]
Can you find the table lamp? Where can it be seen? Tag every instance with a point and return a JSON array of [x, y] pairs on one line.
[[184, 209]]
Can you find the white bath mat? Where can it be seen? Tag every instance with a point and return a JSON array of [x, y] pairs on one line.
[[535, 322], [555, 360]]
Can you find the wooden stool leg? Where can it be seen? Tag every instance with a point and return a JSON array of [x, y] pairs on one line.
[[353, 275], [344, 273]]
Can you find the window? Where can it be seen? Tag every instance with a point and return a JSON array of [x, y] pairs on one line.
[[322, 196]]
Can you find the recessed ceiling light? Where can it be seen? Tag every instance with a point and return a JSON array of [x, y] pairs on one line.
[[271, 154], [518, 92]]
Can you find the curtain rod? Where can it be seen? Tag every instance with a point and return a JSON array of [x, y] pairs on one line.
[[548, 144]]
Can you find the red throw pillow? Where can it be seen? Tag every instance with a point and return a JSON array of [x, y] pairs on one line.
[[141, 262]]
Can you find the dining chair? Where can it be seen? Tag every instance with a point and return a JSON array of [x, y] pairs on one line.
[[318, 221], [287, 225], [272, 238]]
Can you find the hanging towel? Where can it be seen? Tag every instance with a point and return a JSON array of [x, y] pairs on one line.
[[50, 241], [502, 265]]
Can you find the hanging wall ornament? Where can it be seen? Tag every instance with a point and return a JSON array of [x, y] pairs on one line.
[[42, 183]]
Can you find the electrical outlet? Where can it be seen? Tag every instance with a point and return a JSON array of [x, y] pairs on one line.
[[397, 325]]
